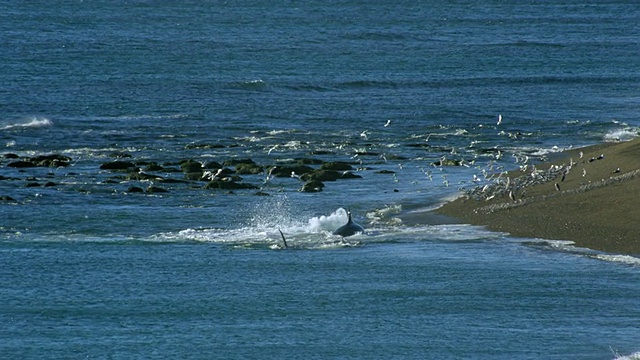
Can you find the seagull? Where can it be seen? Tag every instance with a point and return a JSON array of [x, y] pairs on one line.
[[499, 119], [388, 123], [364, 134]]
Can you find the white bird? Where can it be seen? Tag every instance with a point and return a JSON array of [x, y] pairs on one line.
[[499, 119], [388, 123], [365, 134]]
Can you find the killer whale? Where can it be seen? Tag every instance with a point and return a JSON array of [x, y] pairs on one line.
[[350, 228]]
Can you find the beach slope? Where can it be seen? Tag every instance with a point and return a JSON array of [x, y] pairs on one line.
[[590, 196]]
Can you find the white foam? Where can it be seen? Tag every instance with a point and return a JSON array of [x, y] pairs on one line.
[[624, 134], [623, 259], [32, 123], [634, 356]]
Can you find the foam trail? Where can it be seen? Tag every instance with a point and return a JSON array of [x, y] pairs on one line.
[[34, 123]]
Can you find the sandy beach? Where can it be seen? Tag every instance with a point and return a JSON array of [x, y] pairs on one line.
[[589, 196]]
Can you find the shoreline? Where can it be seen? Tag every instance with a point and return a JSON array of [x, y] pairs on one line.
[[590, 200]]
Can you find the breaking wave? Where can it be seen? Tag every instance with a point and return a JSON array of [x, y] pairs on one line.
[[32, 123]]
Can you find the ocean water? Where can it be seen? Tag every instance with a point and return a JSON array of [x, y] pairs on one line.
[[91, 269]]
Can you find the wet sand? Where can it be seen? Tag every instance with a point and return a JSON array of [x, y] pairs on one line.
[[592, 201]]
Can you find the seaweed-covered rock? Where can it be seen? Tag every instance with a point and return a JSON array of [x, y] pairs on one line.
[[52, 160], [249, 169], [193, 146], [287, 170], [349, 175], [118, 165], [191, 166], [322, 175], [228, 185], [312, 186], [141, 176], [153, 166], [135, 189], [156, 190], [195, 176], [336, 165], [7, 198], [209, 165], [21, 164], [234, 162], [447, 162]]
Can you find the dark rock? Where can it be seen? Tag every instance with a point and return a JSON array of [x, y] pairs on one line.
[[209, 165], [248, 169], [350, 175], [228, 185], [260, 193], [322, 152], [196, 176], [21, 164], [312, 186], [7, 198], [156, 190], [50, 184], [191, 166], [385, 172], [11, 156], [135, 189], [447, 162], [336, 165], [193, 146], [322, 175], [118, 165], [32, 184], [234, 162], [172, 181], [308, 161], [153, 167], [7, 178], [286, 170], [119, 155], [140, 176]]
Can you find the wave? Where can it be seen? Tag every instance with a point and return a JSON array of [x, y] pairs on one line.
[[32, 123], [625, 134]]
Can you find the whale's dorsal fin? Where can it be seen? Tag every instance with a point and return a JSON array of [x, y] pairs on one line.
[[283, 239]]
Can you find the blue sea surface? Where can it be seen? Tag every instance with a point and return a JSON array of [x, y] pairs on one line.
[[93, 269]]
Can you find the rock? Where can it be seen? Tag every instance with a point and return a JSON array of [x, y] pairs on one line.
[[119, 155], [249, 169], [135, 189], [21, 164], [32, 184], [234, 162], [286, 170], [228, 185], [191, 166], [118, 165], [385, 172], [50, 184], [210, 165], [153, 167], [53, 160], [7, 198], [312, 186], [195, 176], [321, 175], [336, 165], [11, 156], [156, 190], [7, 178], [350, 175], [193, 146], [447, 162], [260, 193], [308, 161], [141, 176]]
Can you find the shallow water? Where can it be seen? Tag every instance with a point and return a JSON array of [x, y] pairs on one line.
[[91, 269]]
